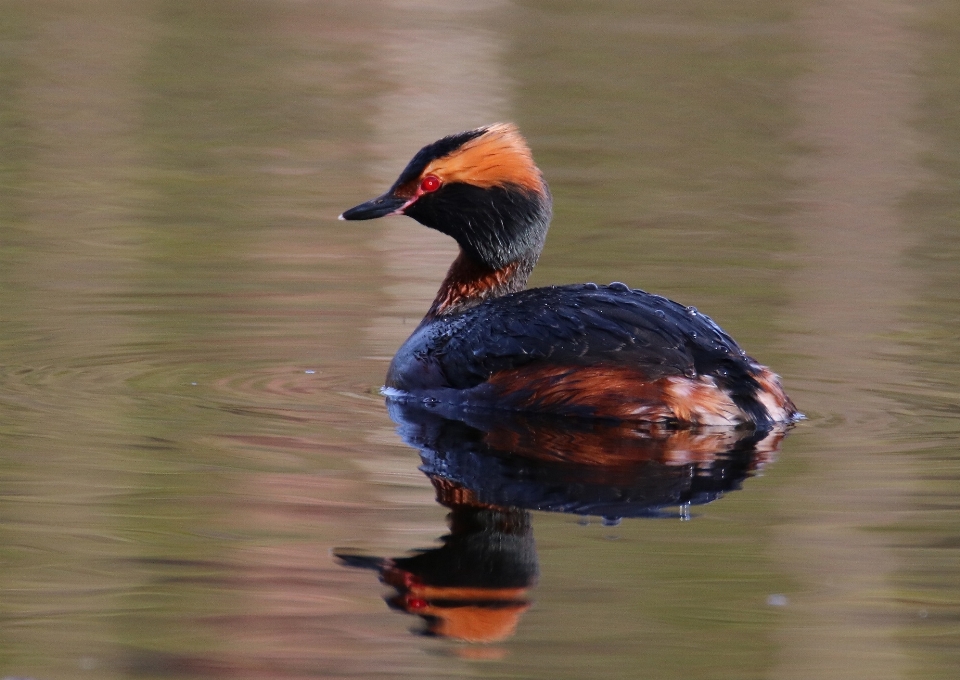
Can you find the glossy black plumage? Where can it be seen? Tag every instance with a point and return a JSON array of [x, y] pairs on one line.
[[491, 225], [574, 325]]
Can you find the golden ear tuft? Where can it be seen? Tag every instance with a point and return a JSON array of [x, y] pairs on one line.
[[498, 157]]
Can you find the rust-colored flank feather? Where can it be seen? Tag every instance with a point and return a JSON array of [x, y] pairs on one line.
[[498, 157], [617, 392], [772, 396]]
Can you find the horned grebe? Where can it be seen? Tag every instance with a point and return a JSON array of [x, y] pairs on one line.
[[582, 350]]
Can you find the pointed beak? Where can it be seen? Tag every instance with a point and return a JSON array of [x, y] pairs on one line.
[[381, 206]]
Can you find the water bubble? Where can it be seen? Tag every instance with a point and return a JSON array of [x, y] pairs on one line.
[[692, 311], [619, 287], [610, 521], [659, 312], [591, 286]]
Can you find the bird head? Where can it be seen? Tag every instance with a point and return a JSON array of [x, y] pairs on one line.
[[480, 187]]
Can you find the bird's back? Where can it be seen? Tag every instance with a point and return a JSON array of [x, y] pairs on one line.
[[606, 351]]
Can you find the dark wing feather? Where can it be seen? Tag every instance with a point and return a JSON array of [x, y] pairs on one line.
[[582, 325]]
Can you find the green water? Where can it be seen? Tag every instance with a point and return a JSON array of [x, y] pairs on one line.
[[192, 344]]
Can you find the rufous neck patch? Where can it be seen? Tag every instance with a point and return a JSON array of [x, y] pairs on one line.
[[468, 283]]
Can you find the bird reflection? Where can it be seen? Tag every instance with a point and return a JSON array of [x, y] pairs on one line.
[[491, 470], [474, 586]]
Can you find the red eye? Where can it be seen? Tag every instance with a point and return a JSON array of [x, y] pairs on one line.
[[430, 183], [416, 602]]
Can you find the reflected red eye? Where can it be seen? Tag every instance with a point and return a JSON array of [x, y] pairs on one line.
[[416, 602], [430, 183]]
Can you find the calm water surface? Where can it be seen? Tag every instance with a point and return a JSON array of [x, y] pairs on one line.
[[192, 345]]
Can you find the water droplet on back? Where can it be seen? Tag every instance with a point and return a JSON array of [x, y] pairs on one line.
[[619, 287]]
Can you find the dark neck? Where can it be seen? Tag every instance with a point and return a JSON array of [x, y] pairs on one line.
[[468, 283]]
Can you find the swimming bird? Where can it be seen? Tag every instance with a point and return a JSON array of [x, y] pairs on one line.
[[581, 350]]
